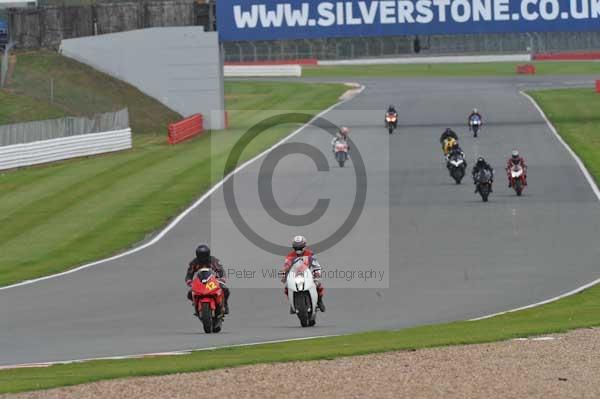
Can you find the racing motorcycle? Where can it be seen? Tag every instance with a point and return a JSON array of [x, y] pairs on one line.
[[475, 124], [517, 179], [456, 167], [484, 184], [391, 121], [341, 152], [208, 299], [302, 291]]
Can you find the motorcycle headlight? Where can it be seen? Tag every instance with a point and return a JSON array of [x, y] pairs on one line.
[[299, 280]]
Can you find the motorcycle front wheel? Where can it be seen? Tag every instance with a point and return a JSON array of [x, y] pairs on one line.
[[206, 317]]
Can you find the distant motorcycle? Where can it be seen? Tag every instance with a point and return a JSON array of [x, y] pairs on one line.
[[456, 167], [484, 184], [341, 152], [391, 121], [302, 292], [209, 299], [517, 179], [475, 124]]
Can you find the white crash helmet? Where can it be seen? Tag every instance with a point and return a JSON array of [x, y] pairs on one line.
[[299, 243]]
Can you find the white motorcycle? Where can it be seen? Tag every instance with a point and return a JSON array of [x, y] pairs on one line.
[[517, 178], [475, 124], [302, 292], [456, 167]]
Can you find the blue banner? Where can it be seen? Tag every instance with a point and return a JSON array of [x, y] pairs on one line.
[[240, 20]]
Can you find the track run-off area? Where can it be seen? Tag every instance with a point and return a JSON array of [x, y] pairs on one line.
[[443, 253]]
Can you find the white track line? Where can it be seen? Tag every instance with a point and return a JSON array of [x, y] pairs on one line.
[[596, 191], [178, 219]]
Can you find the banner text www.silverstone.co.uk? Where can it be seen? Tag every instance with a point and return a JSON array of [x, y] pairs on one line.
[[273, 19]]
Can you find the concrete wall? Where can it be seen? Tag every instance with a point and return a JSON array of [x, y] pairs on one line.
[[178, 66]]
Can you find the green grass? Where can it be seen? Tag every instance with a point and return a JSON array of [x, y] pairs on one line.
[[581, 310], [470, 69], [576, 115], [58, 216], [19, 108], [82, 91]]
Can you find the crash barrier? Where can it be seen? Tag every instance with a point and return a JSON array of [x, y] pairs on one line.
[[185, 129], [38, 152], [451, 59], [262, 70], [527, 69], [598, 86], [298, 61], [569, 56], [21, 133]]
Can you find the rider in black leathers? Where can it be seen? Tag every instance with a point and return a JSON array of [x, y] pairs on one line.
[[456, 150], [480, 165], [204, 259]]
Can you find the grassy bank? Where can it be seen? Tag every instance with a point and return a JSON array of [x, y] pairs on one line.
[[572, 111], [58, 216], [456, 70], [79, 90]]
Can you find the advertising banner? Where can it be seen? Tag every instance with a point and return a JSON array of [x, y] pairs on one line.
[[241, 20]]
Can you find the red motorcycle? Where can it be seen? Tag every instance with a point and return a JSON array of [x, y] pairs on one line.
[[208, 298]]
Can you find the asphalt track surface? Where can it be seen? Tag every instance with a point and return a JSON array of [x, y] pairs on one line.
[[445, 254]]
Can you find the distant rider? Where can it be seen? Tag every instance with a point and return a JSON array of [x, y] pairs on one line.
[[479, 166], [299, 249], [516, 159], [473, 114], [203, 259], [341, 137], [392, 110]]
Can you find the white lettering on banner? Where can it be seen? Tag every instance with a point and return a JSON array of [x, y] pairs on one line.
[[425, 12], [457, 16], [549, 9], [482, 10], [339, 8], [595, 9], [501, 10], [350, 18], [247, 18], [580, 14], [387, 10], [271, 17], [326, 15], [295, 17], [529, 15], [441, 5], [368, 14], [406, 8]]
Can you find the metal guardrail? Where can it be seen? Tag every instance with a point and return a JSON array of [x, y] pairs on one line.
[[38, 152]]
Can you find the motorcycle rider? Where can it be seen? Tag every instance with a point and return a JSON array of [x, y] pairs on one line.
[[447, 134], [455, 150], [474, 113], [479, 166], [341, 136], [392, 110], [516, 159], [299, 249], [203, 259], [448, 144]]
